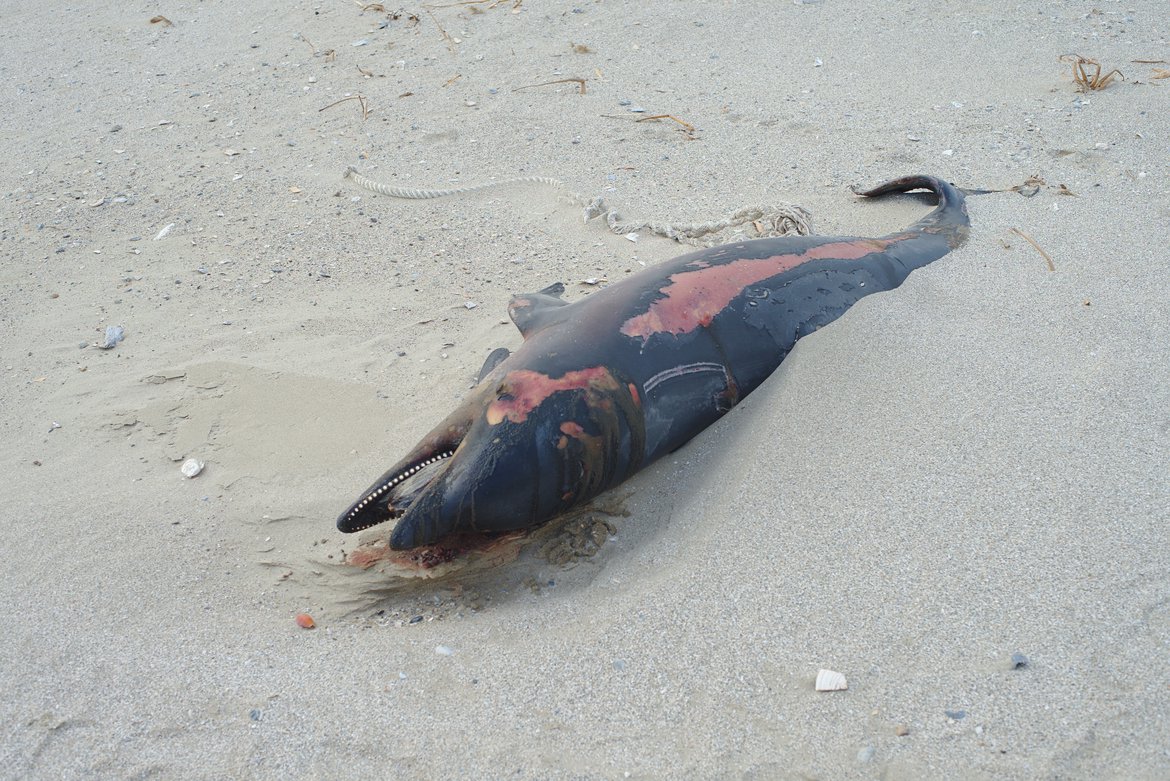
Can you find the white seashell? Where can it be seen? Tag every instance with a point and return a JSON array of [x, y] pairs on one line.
[[192, 467], [829, 681]]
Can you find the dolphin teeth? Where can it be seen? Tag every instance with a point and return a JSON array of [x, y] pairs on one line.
[[381, 490]]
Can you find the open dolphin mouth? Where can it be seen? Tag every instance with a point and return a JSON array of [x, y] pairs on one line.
[[393, 494]]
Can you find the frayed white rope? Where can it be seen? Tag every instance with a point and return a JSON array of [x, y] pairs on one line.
[[782, 220]]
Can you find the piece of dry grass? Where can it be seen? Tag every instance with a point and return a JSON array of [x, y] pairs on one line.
[[687, 128], [361, 99], [579, 82], [1030, 240]]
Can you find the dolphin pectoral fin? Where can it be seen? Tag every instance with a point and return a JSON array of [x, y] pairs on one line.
[[529, 311], [494, 359]]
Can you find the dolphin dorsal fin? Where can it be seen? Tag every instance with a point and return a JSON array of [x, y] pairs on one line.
[[529, 311], [497, 356]]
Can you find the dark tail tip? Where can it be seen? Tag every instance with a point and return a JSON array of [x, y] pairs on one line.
[[945, 191], [951, 213]]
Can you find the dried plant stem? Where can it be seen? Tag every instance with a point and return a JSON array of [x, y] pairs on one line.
[[361, 99], [1030, 240]]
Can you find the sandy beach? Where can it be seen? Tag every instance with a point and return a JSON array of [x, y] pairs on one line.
[[957, 495]]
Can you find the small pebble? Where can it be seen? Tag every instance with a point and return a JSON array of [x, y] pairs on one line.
[[1018, 659], [957, 715], [444, 650], [901, 730]]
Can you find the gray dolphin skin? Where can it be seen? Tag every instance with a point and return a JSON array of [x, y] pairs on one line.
[[603, 386]]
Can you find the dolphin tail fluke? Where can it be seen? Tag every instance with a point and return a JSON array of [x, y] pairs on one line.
[[949, 219]]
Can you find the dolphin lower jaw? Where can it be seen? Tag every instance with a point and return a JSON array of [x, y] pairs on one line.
[[394, 493], [475, 493]]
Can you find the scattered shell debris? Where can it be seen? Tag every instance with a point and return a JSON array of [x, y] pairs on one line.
[[165, 230], [192, 467], [830, 681]]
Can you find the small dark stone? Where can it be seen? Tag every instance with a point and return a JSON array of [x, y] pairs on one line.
[[255, 714], [1019, 660], [415, 619], [957, 715]]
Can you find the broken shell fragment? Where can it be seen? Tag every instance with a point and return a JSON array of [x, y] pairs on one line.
[[829, 681], [191, 467], [114, 334]]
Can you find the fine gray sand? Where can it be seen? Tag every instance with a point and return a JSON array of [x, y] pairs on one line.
[[973, 466]]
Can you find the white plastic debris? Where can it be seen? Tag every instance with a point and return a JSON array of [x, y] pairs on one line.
[[191, 467], [162, 233], [830, 681]]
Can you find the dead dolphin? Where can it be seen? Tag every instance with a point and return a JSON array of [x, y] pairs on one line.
[[605, 385]]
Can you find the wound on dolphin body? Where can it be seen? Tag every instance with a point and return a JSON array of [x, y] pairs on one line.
[[692, 299], [525, 390]]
